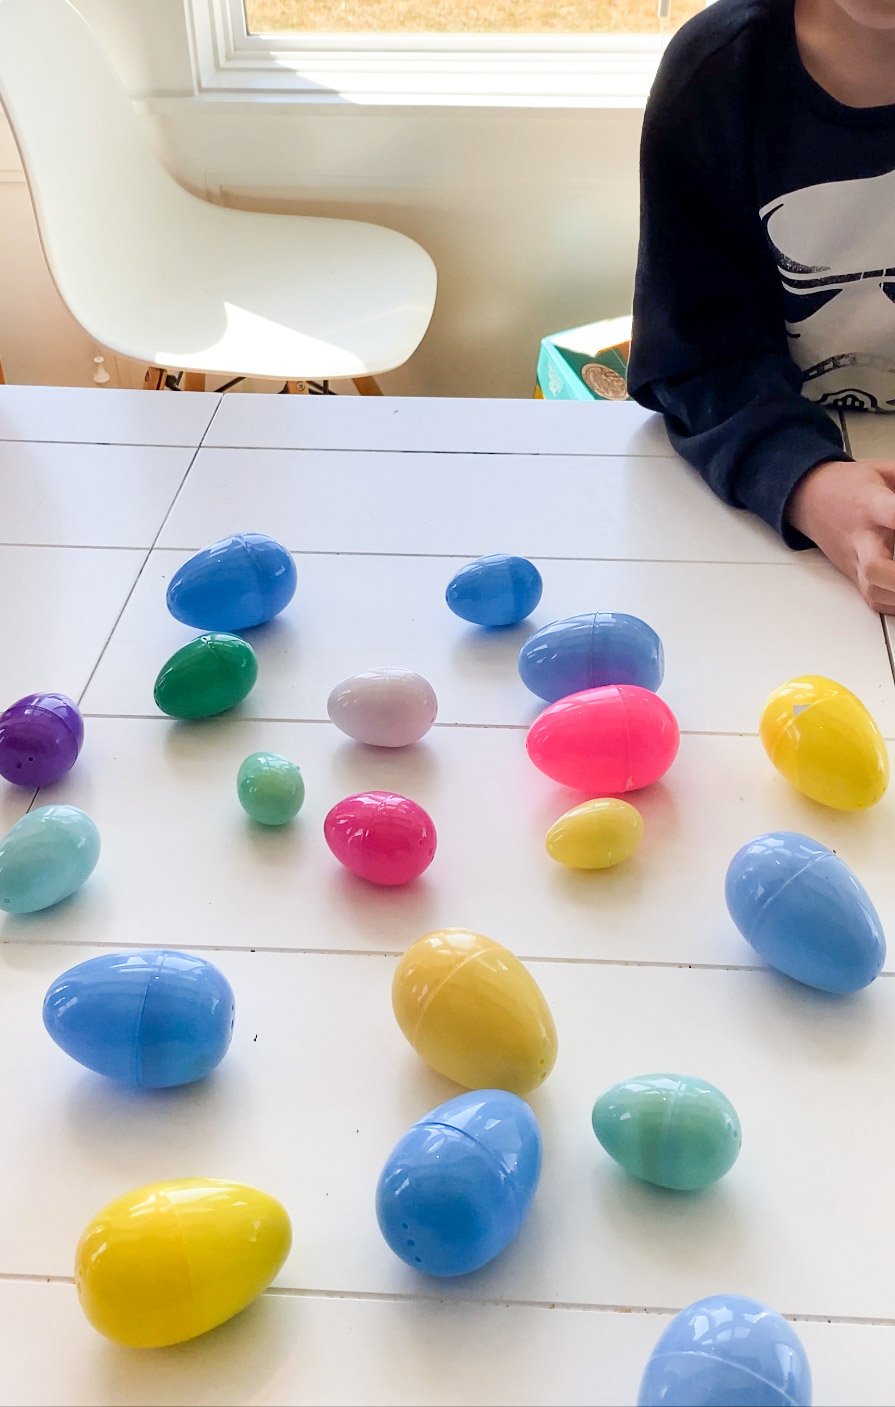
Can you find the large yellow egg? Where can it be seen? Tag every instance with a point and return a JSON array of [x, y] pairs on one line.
[[596, 834], [823, 740], [174, 1259], [473, 1012]]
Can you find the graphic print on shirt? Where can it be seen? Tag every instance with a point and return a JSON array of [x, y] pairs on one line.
[[834, 246]]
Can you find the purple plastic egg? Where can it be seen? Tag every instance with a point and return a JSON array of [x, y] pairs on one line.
[[40, 738]]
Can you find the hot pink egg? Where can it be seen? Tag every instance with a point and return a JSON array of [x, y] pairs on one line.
[[383, 837], [605, 741]]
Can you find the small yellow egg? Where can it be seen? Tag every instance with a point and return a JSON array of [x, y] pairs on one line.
[[473, 1012], [825, 743], [596, 834], [172, 1260]]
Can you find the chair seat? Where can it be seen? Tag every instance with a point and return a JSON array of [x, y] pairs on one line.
[[242, 293]]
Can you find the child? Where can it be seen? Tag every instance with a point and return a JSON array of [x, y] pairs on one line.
[[765, 286]]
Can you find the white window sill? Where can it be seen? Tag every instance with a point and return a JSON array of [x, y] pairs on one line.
[[430, 71]]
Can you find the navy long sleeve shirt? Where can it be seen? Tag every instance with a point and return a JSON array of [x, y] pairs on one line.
[[765, 289]]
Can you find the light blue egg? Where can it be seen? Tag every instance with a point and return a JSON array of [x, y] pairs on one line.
[[590, 651], [46, 856], [727, 1349], [234, 584], [458, 1186], [150, 1018], [805, 913], [495, 591]]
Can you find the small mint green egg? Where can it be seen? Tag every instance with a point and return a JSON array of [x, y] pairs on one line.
[[673, 1130], [46, 856], [270, 788]]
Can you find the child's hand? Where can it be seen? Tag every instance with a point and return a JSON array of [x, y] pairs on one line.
[[849, 511]]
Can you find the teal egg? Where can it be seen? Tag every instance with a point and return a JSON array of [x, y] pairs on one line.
[[46, 856], [672, 1130], [270, 788]]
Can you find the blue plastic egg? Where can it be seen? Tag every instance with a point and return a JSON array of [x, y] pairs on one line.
[[804, 912], [458, 1186], [234, 584], [46, 857], [590, 651], [495, 591], [727, 1349], [150, 1018]]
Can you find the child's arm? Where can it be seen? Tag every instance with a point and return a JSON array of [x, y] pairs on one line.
[[709, 340]]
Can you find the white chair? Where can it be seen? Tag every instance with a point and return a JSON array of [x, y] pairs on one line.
[[158, 275]]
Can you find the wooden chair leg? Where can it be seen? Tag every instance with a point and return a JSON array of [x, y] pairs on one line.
[[192, 381], [297, 388], [367, 386], [154, 380]]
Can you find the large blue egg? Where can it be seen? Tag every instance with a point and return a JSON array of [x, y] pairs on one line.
[[150, 1018], [495, 591], [804, 912], [731, 1350], [458, 1186], [589, 651], [236, 583]]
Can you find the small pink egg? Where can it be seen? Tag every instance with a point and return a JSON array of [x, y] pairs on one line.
[[380, 836]]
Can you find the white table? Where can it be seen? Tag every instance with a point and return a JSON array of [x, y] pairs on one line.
[[102, 495]]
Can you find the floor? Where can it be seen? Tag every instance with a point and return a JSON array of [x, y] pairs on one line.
[[104, 494]]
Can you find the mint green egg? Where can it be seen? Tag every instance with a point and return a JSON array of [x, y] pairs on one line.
[[270, 788], [673, 1130], [46, 856], [212, 673]]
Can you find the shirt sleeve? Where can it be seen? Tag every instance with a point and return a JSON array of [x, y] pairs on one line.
[[709, 339]]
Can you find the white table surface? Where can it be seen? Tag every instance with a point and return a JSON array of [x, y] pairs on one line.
[[103, 494]]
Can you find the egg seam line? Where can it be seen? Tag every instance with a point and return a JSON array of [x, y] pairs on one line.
[[741, 1367], [397, 1297]]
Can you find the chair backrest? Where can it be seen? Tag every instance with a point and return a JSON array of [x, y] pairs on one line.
[[101, 198]]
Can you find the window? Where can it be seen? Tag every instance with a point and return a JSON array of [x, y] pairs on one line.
[[505, 53]]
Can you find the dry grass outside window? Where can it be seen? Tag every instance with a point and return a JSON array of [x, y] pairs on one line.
[[464, 16]]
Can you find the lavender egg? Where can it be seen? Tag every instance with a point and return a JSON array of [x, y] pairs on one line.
[[40, 738]]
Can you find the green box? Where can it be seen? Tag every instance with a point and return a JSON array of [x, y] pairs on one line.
[[587, 363]]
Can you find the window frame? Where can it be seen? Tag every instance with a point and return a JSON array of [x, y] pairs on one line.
[[470, 70]]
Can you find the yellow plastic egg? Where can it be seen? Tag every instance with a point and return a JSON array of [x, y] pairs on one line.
[[172, 1260], [596, 834], [823, 740], [473, 1012]]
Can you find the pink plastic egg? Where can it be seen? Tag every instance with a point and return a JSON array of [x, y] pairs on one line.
[[605, 741], [381, 836]]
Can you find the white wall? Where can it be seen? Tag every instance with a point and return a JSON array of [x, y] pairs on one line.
[[530, 216]]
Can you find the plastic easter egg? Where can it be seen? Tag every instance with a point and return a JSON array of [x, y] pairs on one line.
[[586, 652], [605, 741], [384, 707], [150, 1018], [234, 584], [171, 1260], [727, 1349], [495, 591], [270, 788], [382, 837], [473, 1012], [823, 741], [671, 1130], [45, 857], [805, 913], [596, 834], [456, 1189], [40, 738], [209, 675]]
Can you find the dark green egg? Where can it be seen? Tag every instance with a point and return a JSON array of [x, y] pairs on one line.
[[673, 1130], [209, 675]]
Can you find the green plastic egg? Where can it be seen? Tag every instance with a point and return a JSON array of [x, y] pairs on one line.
[[270, 788], [209, 675], [673, 1130], [46, 856]]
